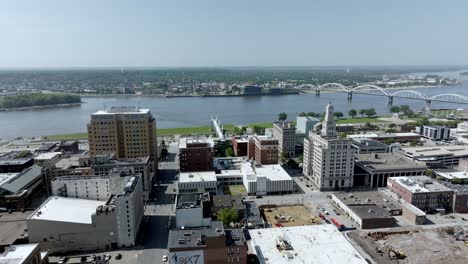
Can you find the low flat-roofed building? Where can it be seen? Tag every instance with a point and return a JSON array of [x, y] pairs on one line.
[[102, 164], [367, 146], [398, 137], [422, 192], [460, 196], [266, 179], [437, 156], [15, 161], [197, 182], [373, 170], [229, 177], [71, 165], [47, 159], [208, 245], [253, 216], [24, 254], [368, 209], [413, 214], [17, 190], [318, 244], [193, 210], [450, 174]]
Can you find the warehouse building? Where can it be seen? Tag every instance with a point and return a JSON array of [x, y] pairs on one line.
[[368, 209]]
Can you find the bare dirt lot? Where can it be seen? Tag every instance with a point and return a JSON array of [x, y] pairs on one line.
[[415, 245], [296, 215]]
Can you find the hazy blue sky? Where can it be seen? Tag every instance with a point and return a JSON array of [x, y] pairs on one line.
[[99, 33]]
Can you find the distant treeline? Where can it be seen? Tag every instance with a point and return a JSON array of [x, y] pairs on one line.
[[37, 99]]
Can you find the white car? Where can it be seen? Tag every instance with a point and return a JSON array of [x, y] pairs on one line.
[[165, 258]]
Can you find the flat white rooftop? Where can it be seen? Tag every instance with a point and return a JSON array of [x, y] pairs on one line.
[[47, 155], [421, 152], [189, 140], [64, 209], [17, 254], [272, 172], [452, 174], [318, 244], [420, 184], [197, 176], [383, 135], [122, 110]]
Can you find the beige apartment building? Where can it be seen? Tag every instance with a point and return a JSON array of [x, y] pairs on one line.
[[129, 132]]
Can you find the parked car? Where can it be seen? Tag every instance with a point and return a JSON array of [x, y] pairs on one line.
[[165, 258]]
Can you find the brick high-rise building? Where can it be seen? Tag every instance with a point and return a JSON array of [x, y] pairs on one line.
[[196, 154], [129, 132], [266, 150]]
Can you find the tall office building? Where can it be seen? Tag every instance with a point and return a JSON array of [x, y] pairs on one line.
[[285, 132], [328, 160], [129, 132]]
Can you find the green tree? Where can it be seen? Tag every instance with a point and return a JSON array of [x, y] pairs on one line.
[[392, 125], [370, 112], [303, 114], [282, 116], [227, 216], [423, 122], [338, 115], [389, 141], [395, 109], [258, 130], [414, 143], [237, 130], [362, 112], [229, 152], [313, 114], [352, 113], [406, 110], [300, 158]]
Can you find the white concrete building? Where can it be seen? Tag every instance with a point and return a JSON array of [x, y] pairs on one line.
[[318, 244], [64, 223], [329, 160], [190, 212], [266, 179], [197, 182], [434, 132], [24, 254], [83, 187]]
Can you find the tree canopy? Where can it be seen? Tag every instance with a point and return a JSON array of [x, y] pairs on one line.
[[37, 99], [227, 216], [352, 113], [282, 116]]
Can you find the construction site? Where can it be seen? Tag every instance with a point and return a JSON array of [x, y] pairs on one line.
[[285, 216], [415, 245]]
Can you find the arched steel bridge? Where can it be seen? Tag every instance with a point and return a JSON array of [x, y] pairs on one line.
[[390, 94]]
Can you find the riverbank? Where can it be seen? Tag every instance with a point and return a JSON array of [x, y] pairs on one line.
[[40, 107], [206, 130]]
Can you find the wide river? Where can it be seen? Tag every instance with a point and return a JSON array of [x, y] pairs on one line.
[[196, 111]]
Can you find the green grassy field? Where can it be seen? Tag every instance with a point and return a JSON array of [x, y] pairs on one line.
[[237, 190], [262, 125], [360, 120], [206, 130]]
